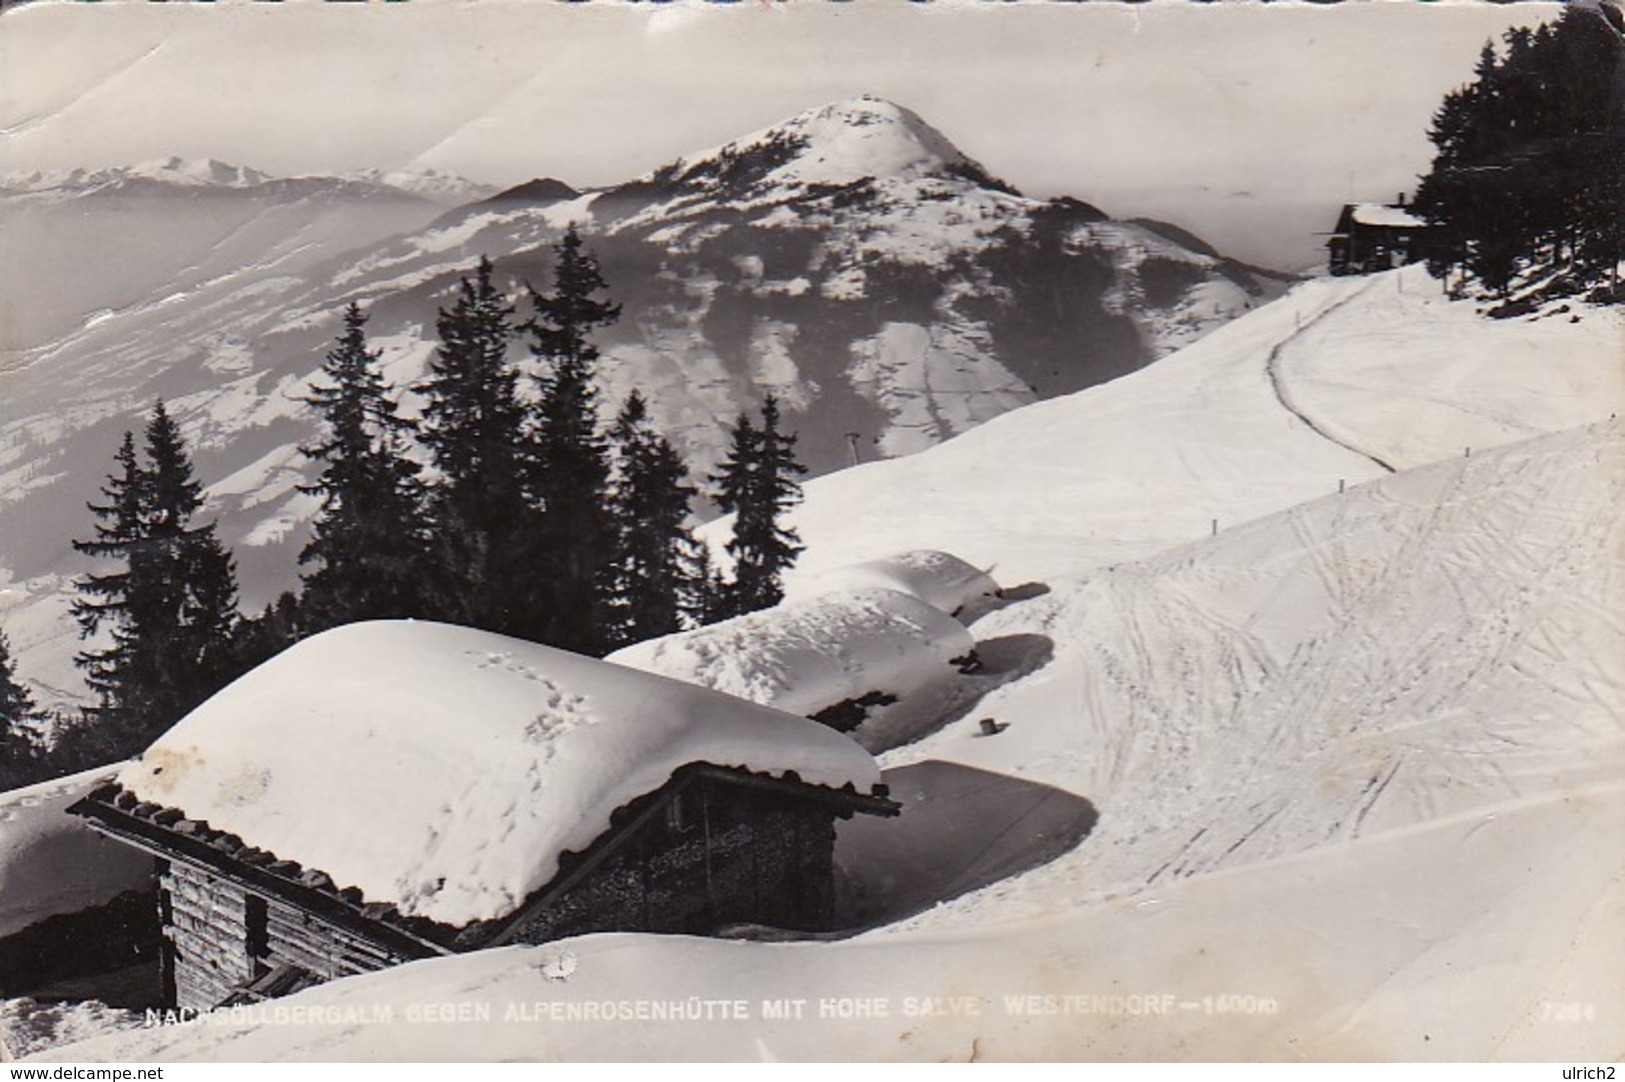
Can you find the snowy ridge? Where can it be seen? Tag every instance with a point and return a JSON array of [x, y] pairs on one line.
[[1337, 382], [180, 172], [445, 188], [352, 726], [207, 173]]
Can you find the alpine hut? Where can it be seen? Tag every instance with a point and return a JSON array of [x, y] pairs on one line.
[[1375, 237], [395, 790]]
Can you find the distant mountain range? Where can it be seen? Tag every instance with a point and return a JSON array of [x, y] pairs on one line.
[[87, 243], [891, 291]]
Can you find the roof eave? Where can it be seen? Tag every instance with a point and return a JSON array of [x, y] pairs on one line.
[[167, 844]]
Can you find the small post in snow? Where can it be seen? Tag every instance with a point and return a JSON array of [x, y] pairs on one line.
[[852, 442], [1215, 528], [1467, 453], [1342, 485]]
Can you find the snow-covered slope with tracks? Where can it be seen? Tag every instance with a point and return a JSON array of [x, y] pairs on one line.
[[1341, 381], [1360, 772]]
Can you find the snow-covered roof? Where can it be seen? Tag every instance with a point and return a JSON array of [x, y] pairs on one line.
[[1386, 215], [803, 656], [940, 579], [53, 863], [444, 770]]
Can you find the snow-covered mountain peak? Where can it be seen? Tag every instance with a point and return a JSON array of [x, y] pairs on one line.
[[834, 145], [173, 171], [200, 172], [431, 184]]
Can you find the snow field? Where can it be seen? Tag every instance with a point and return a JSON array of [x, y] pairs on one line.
[[1358, 774]]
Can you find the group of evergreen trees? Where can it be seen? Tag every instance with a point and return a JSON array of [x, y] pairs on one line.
[[532, 518], [1528, 179], [508, 505]]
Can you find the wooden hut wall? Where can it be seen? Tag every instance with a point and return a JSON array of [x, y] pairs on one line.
[[208, 925], [722, 855], [205, 922]]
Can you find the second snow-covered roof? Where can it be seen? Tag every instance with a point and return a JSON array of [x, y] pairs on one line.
[[444, 770], [804, 656], [1387, 216], [940, 579]]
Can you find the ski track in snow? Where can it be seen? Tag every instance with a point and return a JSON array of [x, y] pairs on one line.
[[1278, 383], [1205, 731]]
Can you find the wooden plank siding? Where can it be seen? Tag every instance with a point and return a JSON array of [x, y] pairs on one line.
[[209, 937], [724, 855]]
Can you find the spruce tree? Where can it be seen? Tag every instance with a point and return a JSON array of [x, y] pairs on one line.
[[473, 427], [650, 543], [707, 595], [18, 714], [120, 672], [194, 589], [569, 472], [368, 538], [259, 638], [171, 607], [757, 483]]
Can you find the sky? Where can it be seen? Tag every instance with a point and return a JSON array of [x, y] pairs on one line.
[[1248, 123]]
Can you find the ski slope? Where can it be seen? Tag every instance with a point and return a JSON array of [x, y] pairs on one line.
[[1341, 381], [1358, 768]]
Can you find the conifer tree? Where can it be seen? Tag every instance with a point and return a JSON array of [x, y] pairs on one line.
[[757, 482], [259, 638], [195, 594], [18, 713], [706, 596], [473, 427], [120, 672], [172, 606], [650, 544], [368, 538], [570, 466]]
